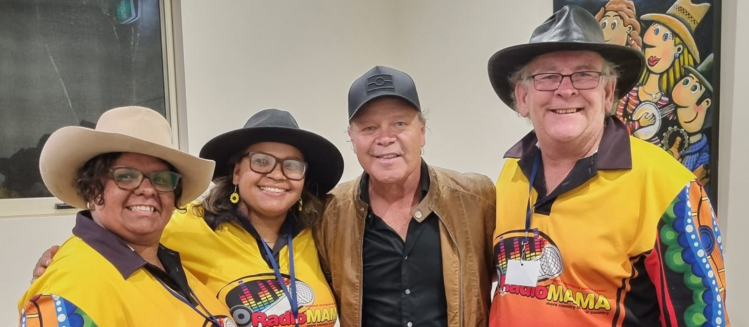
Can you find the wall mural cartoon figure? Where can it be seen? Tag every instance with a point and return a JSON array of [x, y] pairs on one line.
[[674, 105], [693, 97], [619, 23]]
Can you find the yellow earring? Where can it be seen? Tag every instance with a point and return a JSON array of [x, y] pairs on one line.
[[300, 204], [234, 198]]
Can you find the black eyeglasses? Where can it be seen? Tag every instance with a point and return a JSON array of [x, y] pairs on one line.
[[263, 163], [128, 178], [580, 80]]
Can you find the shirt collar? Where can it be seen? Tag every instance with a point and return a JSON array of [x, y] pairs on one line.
[[613, 151], [424, 183], [113, 248]]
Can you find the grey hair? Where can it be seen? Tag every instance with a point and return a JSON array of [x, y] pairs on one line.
[[523, 75]]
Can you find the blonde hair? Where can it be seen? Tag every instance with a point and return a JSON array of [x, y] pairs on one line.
[[673, 74]]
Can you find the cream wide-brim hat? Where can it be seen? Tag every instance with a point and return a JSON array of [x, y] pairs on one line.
[[125, 129]]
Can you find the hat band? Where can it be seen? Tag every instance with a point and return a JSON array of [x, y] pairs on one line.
[[684, 13]]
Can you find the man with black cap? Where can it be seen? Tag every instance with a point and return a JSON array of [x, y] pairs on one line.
[[594, 227], [406, 244]]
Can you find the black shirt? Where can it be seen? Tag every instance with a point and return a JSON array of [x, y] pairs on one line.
[[403, 282]]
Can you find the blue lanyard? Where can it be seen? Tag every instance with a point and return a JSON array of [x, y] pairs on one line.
[[208, 317], [528, 211], [292, 296]]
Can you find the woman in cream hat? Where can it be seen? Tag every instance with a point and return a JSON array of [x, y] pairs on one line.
[[127, 178], [250, 240]]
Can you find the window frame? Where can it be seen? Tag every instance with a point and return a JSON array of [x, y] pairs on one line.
[[172, 55]]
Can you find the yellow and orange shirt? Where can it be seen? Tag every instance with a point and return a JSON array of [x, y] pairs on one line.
[[97, 280], [629, 238], [229, 261]]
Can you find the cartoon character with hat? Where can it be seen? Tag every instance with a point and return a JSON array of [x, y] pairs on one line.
[[669, 46], [693, 97]]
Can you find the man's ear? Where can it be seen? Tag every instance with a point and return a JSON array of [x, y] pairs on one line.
[[609, 92], [521, 99]]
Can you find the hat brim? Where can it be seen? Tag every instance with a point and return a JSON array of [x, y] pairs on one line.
[[507, 61], [69, 148], [325, 162], [702, 79], [679, 28]]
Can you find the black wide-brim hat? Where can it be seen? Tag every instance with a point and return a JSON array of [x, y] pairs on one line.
[[325, 162], [570, 29]]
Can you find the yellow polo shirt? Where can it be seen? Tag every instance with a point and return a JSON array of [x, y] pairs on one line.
[[635, 242], [97, 280], [228, 261]]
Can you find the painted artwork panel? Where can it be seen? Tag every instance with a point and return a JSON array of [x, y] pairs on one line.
[[675, 103]]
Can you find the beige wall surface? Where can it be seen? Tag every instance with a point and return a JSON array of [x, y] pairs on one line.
[[242, 56]]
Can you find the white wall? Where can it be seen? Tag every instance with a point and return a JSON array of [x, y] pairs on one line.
[[22, 241], [243, 56], [445, 47], [734, 158], [299, 56]]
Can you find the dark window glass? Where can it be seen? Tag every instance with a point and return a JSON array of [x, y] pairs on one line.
[[64, 63]]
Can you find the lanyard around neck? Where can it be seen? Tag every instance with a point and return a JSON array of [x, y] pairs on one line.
[[529, 208], [207, 315], [292, 296]]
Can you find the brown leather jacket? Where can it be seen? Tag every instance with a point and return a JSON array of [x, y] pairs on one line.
[[464, 204]]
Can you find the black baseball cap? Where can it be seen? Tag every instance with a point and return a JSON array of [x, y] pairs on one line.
[[381, 82]]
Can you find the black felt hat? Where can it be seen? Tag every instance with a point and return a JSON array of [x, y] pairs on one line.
[[325, 162], [570, 29]]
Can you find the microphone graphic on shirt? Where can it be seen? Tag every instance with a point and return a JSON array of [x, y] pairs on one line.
[[266, 296]]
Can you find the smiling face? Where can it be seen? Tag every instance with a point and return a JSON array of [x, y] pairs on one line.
[[137, 216], [387, 136], [271, 195], [566, 115], [686, 94], [614, 31], [660, 48]]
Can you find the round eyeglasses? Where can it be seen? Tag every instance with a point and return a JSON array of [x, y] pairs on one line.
[[263, 163]]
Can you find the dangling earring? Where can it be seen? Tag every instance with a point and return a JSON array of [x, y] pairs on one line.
[[234, 197], [676, 55], [300, 204]]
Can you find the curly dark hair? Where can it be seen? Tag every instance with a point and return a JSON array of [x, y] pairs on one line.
[[216, 208], [95, 172]]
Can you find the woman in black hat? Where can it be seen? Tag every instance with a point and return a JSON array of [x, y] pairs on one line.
[[270, 180], [249, 240]]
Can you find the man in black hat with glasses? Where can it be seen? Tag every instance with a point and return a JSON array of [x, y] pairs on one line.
[[405, 244], [594, 227]]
